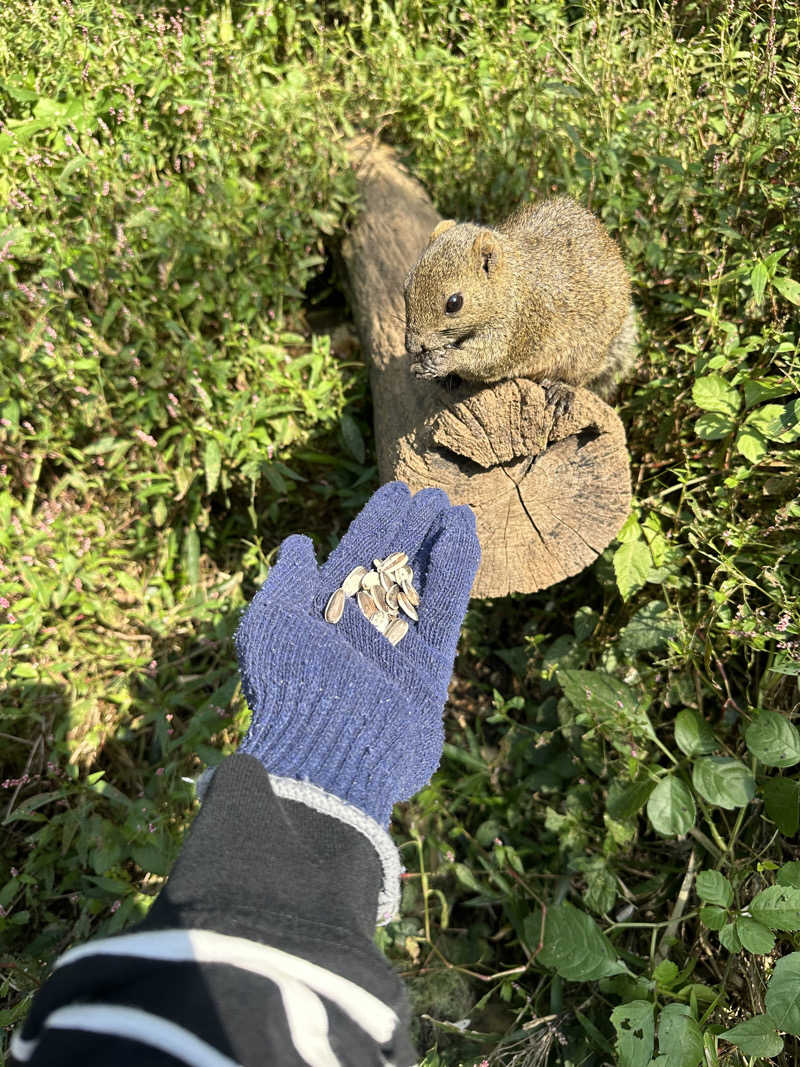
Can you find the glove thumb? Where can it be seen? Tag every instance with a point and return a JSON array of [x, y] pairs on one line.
[[295, 574]]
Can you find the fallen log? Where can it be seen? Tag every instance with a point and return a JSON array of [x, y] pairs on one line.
[[549, 493]]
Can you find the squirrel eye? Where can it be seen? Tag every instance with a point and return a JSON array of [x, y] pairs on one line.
[[454, 303]]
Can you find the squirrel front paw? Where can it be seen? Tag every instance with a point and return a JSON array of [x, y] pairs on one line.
[[559, 396], [431, 365]]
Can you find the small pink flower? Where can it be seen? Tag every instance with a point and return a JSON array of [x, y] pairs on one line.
[[159, 770], [114, 906], [11, 617]]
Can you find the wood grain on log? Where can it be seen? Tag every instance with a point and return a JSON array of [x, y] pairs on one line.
[[548, 493]]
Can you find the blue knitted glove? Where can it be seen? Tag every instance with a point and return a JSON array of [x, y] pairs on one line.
[[338, 705]]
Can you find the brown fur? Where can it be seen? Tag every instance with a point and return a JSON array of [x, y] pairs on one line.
[[545, 296]]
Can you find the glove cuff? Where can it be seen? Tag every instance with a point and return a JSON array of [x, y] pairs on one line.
[[313, 797]]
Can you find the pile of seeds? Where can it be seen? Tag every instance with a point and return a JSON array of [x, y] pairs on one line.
[[381, 595]]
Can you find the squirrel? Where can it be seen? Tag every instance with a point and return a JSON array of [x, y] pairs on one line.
[[544, 295]]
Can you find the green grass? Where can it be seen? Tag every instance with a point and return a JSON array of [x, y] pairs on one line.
[[622, 749]]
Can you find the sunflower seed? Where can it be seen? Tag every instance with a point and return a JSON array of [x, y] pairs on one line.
[[404, 574], [396, 631], [335, 606], [386, 580], [352, 582], [378, 594], [380, 620], [370, 580], [366, 603], [392, 562], [405, 604], [391, 598], [410, 592]]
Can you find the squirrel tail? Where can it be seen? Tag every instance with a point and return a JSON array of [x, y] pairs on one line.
[[619, 358]]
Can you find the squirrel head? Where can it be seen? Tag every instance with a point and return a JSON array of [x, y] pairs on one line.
[[454, 288]]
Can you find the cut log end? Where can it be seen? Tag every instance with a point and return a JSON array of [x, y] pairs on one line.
[[549, 492]]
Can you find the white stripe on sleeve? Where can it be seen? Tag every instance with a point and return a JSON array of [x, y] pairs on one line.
[[308, 1024], [133, 1024], [370, 1013]]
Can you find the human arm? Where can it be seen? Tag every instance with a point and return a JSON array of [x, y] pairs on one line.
[[288, 862]]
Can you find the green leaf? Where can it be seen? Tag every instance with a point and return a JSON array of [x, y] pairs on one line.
[[693, 735], [601, 888], [789, 874], [713, 917], [751, 444], [650, 628], [574, 946], [632, 564], [635, 1027], [723, 781], [671, 808], [624, 803], [666, 974], [758, 281], [777, 907], [729, 938], [773, 740], [756, 1037], [782, 804], [754, 936], [788, 288], [464, 875], [351, 435], [680, 1041], [191, 556], [29, 805], [713, 427], [151, 859], [607, 698], [714, 393], [714, 888], [773, 421], [757, 390], [783, 994], [212, 461]]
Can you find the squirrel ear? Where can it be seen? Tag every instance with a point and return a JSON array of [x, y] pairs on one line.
[[487, 254], [445, 224]]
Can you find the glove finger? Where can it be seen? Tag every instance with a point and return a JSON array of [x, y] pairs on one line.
[[404, 529], [453, 556], [295, 574], [365, 535], [414, 529]]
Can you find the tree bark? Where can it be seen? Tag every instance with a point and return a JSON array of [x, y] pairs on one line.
[[548, 493]]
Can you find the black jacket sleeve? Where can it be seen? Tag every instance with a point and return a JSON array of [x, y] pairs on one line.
[[258, 950]]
